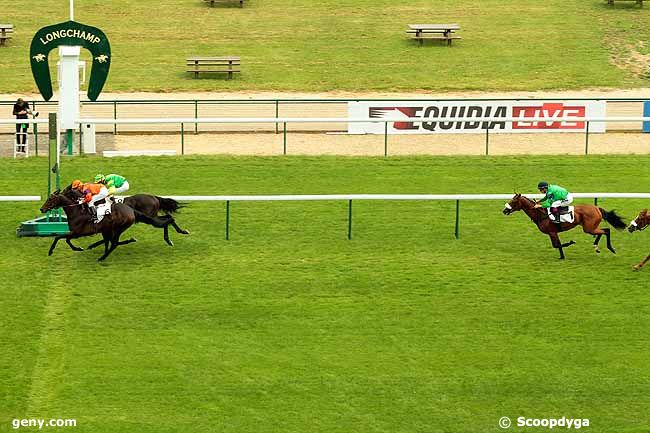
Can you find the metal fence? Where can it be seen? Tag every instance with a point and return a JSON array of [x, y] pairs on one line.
[[269, 108]]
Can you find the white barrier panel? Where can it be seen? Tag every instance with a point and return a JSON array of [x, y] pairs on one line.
[[20, 198], [463, 116]]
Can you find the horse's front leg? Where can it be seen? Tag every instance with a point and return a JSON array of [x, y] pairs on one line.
[[73, 247], [640, 265], [555, 241], [54, 242]]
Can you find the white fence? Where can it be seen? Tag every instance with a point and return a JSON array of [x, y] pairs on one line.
[[182, 121], [350, 197]]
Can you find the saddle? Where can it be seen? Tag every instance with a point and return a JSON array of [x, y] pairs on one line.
[[567, 214]]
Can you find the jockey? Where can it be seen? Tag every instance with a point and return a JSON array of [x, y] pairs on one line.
[[114, 182], [93, 192], [554, 197]]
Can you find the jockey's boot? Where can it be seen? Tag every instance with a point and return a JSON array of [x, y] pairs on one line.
[[93, 212], [556, 214]]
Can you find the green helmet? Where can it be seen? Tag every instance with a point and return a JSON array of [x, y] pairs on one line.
[[100, 178]]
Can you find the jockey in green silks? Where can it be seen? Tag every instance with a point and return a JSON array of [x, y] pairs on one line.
[[113, 182], [554, 197]]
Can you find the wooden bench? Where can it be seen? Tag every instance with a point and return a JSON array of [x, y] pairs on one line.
[[199, 65], [5, 30], [639, 2], [438, 32], [212, 2]]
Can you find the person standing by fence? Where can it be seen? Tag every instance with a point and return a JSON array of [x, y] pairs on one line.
[[21, 110]]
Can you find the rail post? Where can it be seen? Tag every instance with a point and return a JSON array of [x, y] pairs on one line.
[[385, 139], [115, 117], [349, 219], [227, 219], [587, 139], [196, 116], [182, 139], [487, 140], [35, 130], [456, 230], [284, 138]]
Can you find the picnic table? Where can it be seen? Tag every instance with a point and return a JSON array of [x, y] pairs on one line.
[[440, 32], [5, 30], [199, 65], [241, 3], [639, 2]]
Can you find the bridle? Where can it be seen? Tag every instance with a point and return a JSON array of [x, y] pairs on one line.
[[636, 225]]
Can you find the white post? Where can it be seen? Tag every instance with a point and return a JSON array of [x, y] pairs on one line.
[[71, 10], [68, 91]]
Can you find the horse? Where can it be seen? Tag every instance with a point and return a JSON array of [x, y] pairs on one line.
[[587, 216], [151, 206], [80, 222], [640, 223]]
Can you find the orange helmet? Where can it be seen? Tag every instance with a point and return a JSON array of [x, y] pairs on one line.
[[77, 184]]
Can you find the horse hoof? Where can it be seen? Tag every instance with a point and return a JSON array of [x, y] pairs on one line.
[[186, 232], [170, 243]]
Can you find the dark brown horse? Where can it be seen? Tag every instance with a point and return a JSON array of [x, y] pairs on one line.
[[587, 216], [152, 205], [640, 223], [80, 222], [149, 205]]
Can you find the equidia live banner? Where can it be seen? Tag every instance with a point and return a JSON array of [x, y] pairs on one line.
[[465, 113]]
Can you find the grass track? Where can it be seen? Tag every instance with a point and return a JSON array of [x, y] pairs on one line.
[[350, 45], [289, 327]]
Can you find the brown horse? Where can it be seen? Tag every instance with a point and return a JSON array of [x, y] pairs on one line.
[[587, 216], [640, 223], [80, 222]]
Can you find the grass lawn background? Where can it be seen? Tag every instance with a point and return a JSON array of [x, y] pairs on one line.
[[358, 45]]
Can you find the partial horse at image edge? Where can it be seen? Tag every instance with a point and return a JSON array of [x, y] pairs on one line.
[[640, 223]]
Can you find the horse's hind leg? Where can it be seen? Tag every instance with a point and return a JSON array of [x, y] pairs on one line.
[[640, 265], [609, 240], [596, 248], [166, 236], [172, 221]]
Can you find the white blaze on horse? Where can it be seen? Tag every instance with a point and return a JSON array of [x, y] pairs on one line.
[[640, 223]]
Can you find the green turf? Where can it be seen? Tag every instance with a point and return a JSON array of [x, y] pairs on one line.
[[351, 45], [290, 327]]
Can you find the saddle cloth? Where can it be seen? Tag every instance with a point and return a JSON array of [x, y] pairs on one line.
[[566, 214], [102, 210]]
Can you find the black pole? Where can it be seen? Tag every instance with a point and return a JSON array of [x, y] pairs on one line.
[[349, 219], [227, 219]]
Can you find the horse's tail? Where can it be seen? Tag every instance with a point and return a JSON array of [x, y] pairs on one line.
[[169, 204], [159, 222], [613, 219]]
